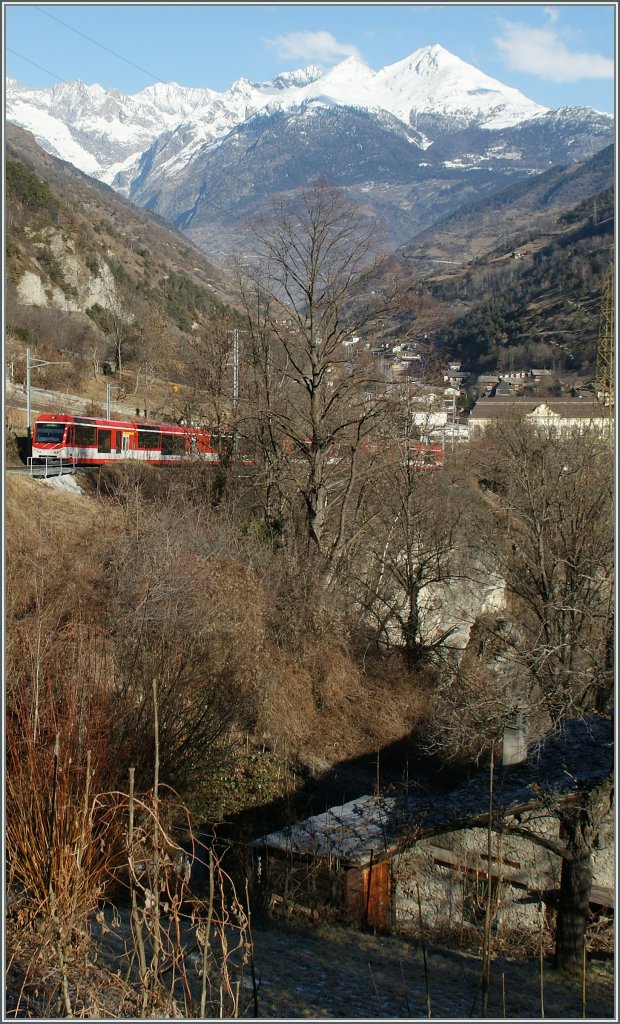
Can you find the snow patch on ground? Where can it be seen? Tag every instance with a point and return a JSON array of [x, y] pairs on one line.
[[66, 482]]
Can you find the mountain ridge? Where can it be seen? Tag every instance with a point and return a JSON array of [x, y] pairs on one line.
[[466, 288], [429, 79], [409, 142]]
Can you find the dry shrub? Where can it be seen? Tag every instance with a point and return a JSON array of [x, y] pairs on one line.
[[11, 447], [63, 837], [71, 839], [284, 707], [170, 954], [339, 694], [323, 704], [399, 701], [35, 979], [57, 545], [192, 621], [512, 943], [198, 707]]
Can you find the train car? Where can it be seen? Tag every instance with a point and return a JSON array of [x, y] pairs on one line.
[[91, 441], [425, 456]]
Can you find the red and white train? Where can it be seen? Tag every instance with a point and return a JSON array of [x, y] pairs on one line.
[[91, 441], [425, 456]]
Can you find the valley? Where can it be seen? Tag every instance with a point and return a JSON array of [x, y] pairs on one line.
[[355, 689]]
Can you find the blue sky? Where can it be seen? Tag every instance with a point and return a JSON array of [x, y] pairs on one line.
[[558, 55]]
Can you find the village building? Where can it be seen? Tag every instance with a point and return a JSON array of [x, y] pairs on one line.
[[564, 415], [504, 390], [389, 861], [517, 376], [487, 382], [455, 378]]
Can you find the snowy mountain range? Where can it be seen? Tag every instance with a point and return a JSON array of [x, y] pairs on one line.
[[410, 141]]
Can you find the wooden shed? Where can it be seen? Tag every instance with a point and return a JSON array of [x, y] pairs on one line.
[[333, 864], [382, 861]]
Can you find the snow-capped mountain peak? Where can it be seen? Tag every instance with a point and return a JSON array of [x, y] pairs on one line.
[[286, 79], [177, 100], [434, 81], [104, 132]]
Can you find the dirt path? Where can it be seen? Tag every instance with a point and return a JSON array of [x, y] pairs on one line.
[[338, 973], [327, 972]]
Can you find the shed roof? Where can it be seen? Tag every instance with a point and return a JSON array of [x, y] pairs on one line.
[[353, 832], [577, 753]]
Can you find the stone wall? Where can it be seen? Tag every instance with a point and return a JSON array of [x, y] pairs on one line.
[[450, 871]]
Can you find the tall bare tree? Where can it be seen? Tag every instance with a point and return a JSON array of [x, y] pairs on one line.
[[554, 547], [314, 294], [210, 369], [551, 650], [414, 546]]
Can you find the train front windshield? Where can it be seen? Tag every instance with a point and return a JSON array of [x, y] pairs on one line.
[[50, 433]]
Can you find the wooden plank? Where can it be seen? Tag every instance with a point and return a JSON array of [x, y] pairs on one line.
[[379, 896], [478, 865], [603, 896]]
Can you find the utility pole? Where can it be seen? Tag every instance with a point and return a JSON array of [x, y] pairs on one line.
[[108, 388], [235, 371], [235, 390], [32, 363]]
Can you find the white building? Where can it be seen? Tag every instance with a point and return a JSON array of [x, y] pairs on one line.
[[564, 415]]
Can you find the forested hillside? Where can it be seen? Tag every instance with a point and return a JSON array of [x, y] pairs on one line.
[[104, 288], [534, 295], [543, 308]]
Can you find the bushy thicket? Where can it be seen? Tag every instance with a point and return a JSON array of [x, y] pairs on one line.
[[244, 643], [25, 187]]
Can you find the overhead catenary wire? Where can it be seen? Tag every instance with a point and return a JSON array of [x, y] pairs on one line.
[[34, 64], [95, 42]]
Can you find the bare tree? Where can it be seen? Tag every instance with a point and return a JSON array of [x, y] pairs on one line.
[[312, 299], [551, 651], [268, 392], [156, 344], [209, 367], [554, 547], [413, 548]]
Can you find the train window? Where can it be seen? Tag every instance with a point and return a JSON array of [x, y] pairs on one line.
[[50, 433], [85, 436], [173, 444], [148, 438], [104, 440]]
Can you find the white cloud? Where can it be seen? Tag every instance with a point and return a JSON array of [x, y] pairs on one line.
[[541, 52], [312, 46]]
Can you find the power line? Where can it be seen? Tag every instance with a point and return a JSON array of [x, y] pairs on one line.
[[39, 66], [156, 78]]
